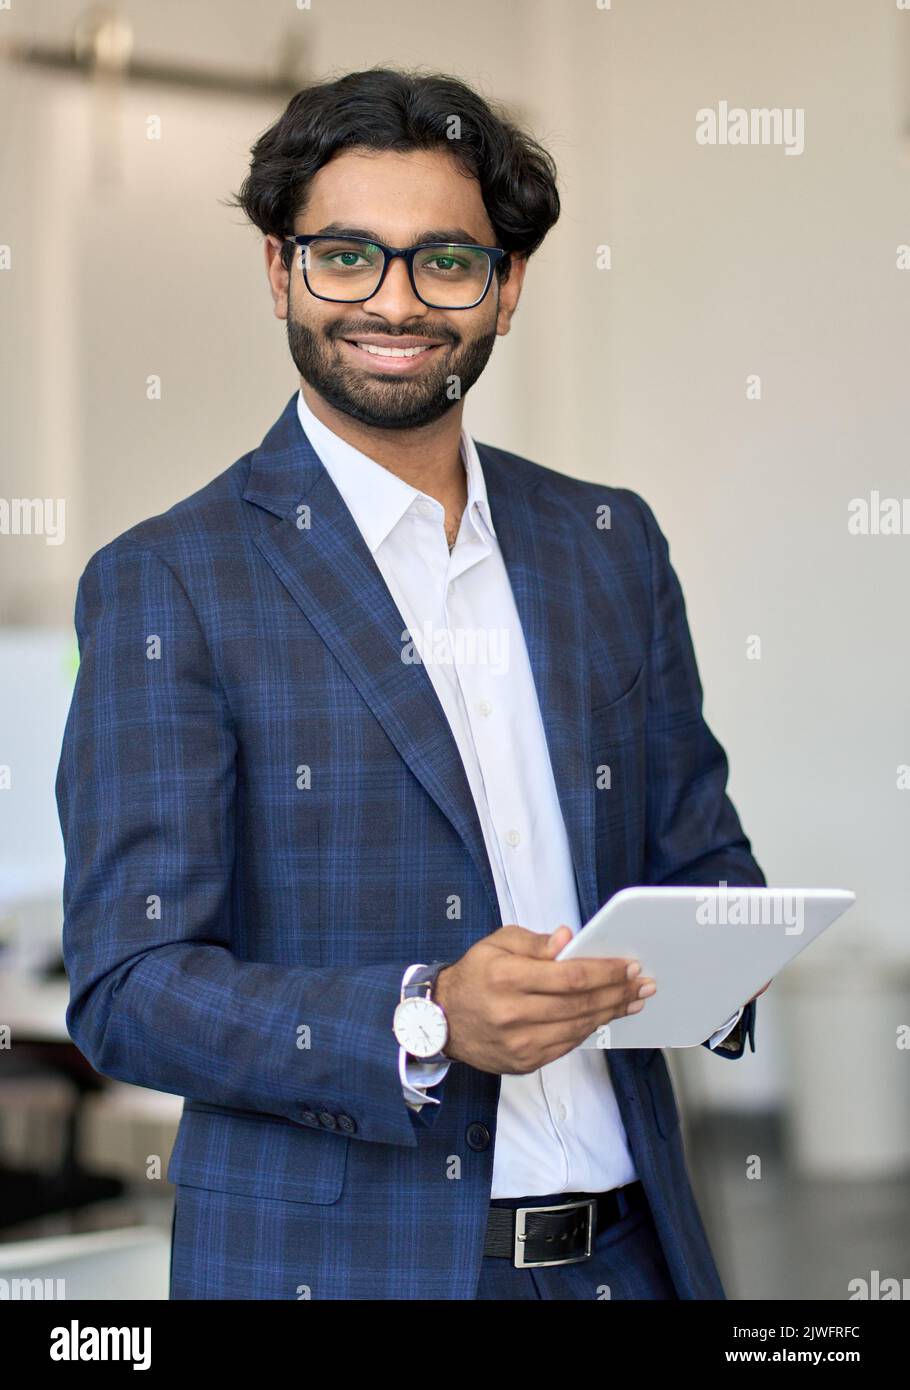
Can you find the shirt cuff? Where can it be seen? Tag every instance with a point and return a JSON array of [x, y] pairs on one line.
[[726, 1028], [415, 1075]]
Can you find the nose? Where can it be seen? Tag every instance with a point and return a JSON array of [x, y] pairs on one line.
[[395, 300]]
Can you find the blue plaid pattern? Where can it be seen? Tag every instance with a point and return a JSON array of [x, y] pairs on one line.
[[266, 820]]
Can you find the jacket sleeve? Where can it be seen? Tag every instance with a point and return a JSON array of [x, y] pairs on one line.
[[694, 836], [146, 798], [734, 1044]]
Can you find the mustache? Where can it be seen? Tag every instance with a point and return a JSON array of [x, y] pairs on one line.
[[422, 330]]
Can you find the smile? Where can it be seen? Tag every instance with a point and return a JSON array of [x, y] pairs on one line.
[[387, 357], [392, 352]]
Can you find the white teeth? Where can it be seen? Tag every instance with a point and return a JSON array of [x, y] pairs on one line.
[[391, 352]]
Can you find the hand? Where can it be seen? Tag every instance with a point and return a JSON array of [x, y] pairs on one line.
[[761, 991], [511, 1007]]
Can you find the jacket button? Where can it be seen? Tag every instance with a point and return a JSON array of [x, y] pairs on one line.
[[309, 1117], [327, 1120], [346, 1124], [478, 1136]]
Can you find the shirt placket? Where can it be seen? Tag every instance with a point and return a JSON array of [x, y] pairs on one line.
[[485, 704]]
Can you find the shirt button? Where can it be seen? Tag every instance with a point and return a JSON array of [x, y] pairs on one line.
[[478, 1136], [485, 708], [513, 838], [425, 508], [563, 1112]]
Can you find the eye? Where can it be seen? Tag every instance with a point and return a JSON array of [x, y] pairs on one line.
[[452, 262], [441, 261], [348, 259], [342, 253]]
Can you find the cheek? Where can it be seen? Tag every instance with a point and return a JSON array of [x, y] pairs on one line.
[[480, 323], [308, 316]]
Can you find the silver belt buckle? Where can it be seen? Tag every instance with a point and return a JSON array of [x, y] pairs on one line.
[[521, 1214]]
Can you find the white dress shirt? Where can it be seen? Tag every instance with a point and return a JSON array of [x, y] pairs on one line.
[[559, 1128]]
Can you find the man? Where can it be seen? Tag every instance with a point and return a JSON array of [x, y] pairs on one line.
[[332, 784]]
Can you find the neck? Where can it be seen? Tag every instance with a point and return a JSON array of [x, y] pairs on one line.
[[428, 457]]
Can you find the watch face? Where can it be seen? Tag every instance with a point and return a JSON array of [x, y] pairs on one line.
[[420, 1027]]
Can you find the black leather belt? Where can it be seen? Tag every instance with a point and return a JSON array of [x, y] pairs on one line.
[[558, 1230]]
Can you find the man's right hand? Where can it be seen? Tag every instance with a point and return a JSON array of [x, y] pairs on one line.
[[511, 1007]]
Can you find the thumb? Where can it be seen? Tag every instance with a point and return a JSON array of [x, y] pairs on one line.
[[524, 942], [557, 939]]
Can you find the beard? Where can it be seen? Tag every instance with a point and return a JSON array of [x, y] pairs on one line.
[[386, 402]]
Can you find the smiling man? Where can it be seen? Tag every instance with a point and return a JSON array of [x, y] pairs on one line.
[[331, 782]]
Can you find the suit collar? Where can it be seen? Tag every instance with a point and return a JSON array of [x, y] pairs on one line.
[[286, 466]]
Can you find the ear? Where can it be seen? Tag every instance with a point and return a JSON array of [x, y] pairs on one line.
[[510, 292], [279, 278]]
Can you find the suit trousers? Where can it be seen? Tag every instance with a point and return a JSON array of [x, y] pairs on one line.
[[626, 1261]]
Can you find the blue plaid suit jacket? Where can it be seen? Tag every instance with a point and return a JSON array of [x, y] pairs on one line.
[[266, 819]]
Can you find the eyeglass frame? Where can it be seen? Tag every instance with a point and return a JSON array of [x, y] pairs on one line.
[[406, 253]]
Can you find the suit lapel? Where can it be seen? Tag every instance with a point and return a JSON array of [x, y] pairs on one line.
[[318, 553]]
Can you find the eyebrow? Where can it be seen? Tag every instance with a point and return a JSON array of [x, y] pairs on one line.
[[444, 234]]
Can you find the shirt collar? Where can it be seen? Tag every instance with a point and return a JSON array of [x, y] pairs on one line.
[[376, 498]]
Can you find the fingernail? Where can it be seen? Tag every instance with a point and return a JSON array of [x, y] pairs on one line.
[[646, 990], [633, 969], [634, 1008]]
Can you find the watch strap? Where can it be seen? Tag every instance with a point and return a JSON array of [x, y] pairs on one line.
[[423, 980], [420, 984]]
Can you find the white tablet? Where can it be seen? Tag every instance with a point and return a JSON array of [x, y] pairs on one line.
[[708, 950]]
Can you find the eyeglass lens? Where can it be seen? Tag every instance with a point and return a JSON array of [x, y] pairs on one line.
[[346, 269]]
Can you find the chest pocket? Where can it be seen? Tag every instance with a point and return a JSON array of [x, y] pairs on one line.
[[617, 720], [618, 754]]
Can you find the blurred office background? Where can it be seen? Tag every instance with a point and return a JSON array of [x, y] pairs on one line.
[[629, 366]]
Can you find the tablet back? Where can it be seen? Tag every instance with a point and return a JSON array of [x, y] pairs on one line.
[[708, 950]]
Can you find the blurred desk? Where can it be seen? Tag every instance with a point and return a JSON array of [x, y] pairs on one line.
[[34, 1009]]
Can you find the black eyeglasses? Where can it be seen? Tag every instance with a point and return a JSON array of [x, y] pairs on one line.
[[350, 269]]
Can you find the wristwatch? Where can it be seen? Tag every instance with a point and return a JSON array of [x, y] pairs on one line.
[[419, 1023]]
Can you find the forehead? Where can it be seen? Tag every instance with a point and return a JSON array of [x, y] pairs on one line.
[[396, 194]]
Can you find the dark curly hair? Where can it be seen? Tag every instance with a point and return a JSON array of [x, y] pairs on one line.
[[387, 109]]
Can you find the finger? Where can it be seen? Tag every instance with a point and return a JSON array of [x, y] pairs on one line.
[[561, 1037], [575, 1009], [583, 975]]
